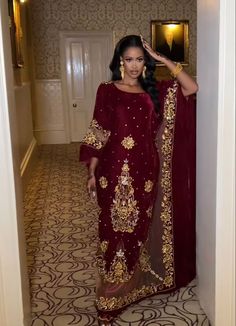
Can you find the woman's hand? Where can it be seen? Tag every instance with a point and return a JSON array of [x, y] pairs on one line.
[[155, 55], [91, 181], [91, 186]]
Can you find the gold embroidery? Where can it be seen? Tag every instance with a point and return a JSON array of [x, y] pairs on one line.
[[145, 265], [101, 264], [118, 271], [149, 211], [119, 302], [96, 136], [104, 246], [148, 186], [128, 142], [166, 185], [168, 281], [103, 182], [124, 210]]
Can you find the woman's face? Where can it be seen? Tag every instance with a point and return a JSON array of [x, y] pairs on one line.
[[133, 59]]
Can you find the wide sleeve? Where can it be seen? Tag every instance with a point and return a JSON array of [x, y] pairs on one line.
[[99, 129]]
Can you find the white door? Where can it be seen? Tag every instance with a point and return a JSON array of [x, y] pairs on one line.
[[85, 62]]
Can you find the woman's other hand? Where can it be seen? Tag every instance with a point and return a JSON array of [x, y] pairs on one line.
[[91, 186]]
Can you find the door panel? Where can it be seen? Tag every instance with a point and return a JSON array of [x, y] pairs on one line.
[[77, 63], [87, 61], [77, 89]]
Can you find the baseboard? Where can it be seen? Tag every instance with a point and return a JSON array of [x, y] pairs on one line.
[[27, 163], [51, 137]]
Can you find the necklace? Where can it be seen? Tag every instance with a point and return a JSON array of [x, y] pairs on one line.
[[135, 85]]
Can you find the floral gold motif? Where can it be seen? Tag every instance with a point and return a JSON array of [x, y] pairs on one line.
[[104, 246], [96, 136], [148, 186], [103, 182], [168, 281], [128, 142], [124, 210], [118, 272]]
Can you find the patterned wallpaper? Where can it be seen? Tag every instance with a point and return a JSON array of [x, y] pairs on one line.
[[120, 16]]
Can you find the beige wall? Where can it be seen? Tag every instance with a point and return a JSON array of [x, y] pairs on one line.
[[121, 17], [24, 118], [14, 287]]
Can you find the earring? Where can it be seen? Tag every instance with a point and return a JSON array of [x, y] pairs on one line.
[[144, 72], [122, 69]]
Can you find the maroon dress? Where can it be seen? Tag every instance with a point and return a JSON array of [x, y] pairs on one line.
[[136, 193]]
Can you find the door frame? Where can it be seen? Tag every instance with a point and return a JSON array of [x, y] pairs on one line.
[[216, 160], [64, 35]]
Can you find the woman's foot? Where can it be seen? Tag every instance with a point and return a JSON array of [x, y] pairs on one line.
[[104, 321]]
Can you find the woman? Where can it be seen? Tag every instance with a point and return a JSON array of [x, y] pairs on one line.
[[129, 149]]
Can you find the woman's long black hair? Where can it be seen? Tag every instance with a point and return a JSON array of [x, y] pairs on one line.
[[149, 82]]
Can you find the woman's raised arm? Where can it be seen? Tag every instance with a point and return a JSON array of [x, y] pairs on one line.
[[188, 84]]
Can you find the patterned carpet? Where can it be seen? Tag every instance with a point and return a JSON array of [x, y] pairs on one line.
[[60, 223]]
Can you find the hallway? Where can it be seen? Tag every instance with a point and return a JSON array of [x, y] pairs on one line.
[[60, 225]]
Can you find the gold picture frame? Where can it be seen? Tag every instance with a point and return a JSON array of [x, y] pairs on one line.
[[16, 33], [171, 38]]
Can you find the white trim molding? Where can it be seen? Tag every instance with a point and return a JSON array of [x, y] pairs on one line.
[[225, 211], [27, 157], [28, 163]]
